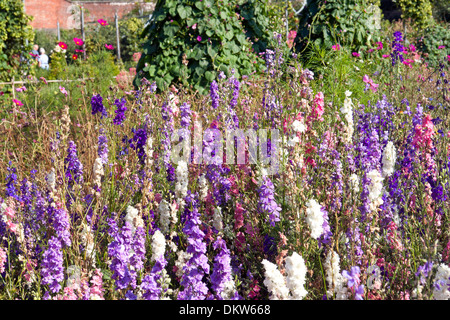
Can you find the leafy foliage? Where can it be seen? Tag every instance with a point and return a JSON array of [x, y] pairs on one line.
[[190, 42], [14, 30], [130, 40], [58, 63], [420, 12], [348, 22], [441, 10], [435, 43], [256, 22]]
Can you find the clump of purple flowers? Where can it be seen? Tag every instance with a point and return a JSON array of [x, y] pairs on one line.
[[353, 281], [120, 111], [11, 180], [119, 251], [150, 283], [167, 115], [52, 270], [73, 166], [59, 219], [97, 105], [185, 114], [221, 276], [197, 266], [326, 235], [267, 201], [138, 143], [215, 172], [424, 271], [397, 47], [103, 148], [214, 88]]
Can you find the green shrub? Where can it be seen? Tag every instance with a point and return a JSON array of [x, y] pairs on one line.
[[190, 43], [419, 11], [58, 63], [435, 36], [441, 10], [45, 39], [256, 24], [14, 32], [130, 40], [347, 22]]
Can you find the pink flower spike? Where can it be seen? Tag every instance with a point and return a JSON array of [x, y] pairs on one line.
[[448, 58], [386, 56], [336, 47], [356, 54], [366, 78]]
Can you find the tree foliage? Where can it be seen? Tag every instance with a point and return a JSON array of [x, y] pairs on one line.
[[348, 22], [189, 42], [419, 11], [14, 31]]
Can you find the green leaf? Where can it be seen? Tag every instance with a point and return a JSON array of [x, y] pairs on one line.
[[171, 29], [229, 35], [200, 5], [182, 11], [211, 52], [210, 76]]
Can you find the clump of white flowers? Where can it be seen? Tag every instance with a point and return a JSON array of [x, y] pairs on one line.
[[374, 277], [314, 218], [148, 149], [87, 239], [332, 270], [158, 245], [375, 189], [442, 283], [182, 258], [354, 182], [293, 286], [182, 182], [217, 219], [98, 172], [51, 180], [164, 215], [298, 126], [389, 157], [203, 187], [296, 276], [347, 110], [134, 218], [275, 282]]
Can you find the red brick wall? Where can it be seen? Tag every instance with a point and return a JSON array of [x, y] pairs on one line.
[[47, 13]]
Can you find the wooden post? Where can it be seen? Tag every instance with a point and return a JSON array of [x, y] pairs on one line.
[[59, 32], [13, 89], [82, 32], [117, 36]]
